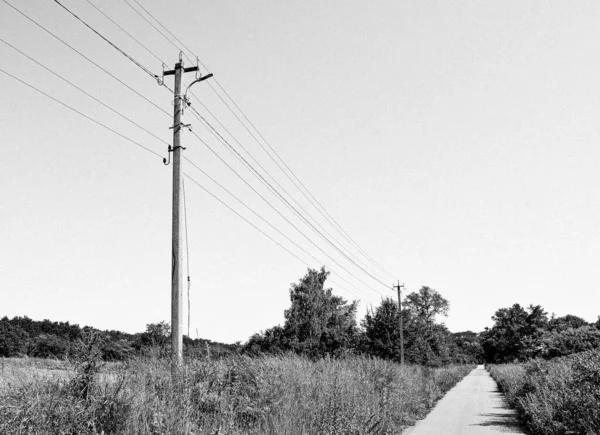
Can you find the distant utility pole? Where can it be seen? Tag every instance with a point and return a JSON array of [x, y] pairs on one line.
[[398, 287], [177, 279]]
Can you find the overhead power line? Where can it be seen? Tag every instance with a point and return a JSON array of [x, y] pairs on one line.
[[289, 196], [87, 58], [288, 204], [255, 227], [278, 161], [139, 65], [156, 28], [126, 32], [351, 260], [282, 215], [82, 114], [236, 198], [311, 198], [84, 92], [167, 30]]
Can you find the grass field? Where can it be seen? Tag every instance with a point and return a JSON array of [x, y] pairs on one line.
[[270, 395], [555, 397]]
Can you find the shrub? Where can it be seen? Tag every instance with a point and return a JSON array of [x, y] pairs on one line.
[[569, 341], [557, 396], [48, 346]]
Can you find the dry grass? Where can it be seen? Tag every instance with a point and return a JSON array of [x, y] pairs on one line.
[[286, 395], [15, 370]]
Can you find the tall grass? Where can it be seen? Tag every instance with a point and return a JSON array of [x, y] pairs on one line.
[[555, 397], [285, 395]]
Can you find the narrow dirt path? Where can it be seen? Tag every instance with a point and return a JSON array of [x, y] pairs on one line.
[[474, 406]]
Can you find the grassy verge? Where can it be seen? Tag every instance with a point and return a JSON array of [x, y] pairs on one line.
[[559, 396], [272, 395]]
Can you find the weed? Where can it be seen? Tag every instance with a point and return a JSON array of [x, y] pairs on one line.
[[283, 395]]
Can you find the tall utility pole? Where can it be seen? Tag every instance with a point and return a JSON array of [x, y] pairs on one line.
[[401, 326], [177, 279]]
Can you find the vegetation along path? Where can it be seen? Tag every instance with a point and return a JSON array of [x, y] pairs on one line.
[[474, 406]]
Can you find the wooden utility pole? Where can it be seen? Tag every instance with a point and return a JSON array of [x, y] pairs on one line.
[[401, 326], [177, 279]]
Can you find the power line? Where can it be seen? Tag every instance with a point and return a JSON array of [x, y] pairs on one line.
[[87, 58], [142, 67], [82, 114], [167, 30], [280, 214], [126, 32], [254, 226], [327, 216], [216, 134], [260, 217], [155, 28], [84, 92], [319, 207], [278, 194], [312, 200]]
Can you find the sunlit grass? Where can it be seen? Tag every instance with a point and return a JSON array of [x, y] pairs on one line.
[[242, 395]]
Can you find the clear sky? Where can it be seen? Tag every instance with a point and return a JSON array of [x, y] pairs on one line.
[[455, 142]]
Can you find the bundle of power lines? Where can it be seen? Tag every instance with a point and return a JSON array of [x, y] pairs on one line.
[[330, 244]]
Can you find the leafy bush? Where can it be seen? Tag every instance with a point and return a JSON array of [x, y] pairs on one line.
[[48, 346], [569, 341], [555, 397]]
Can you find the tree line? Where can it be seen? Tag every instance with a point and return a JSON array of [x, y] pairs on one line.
[[22, 336], [524, 333], [320, 324]]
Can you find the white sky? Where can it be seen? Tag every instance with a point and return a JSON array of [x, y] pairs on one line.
[[456, 142]]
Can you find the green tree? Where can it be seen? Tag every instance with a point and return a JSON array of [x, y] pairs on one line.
[[159, 332], [426, 304], [273, 340], [317, 323], [156, 335], [31, 327], [467, 348], [425, 342], [569, 341], [49, 346], [515, 334], [429, 346], [13, 339], [566, 322], [380, 330]]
